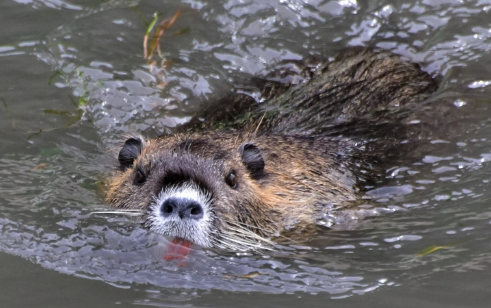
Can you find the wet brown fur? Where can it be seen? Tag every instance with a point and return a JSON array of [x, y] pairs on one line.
[[317, 140]]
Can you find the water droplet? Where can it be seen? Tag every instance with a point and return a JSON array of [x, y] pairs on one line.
[[459, 103]]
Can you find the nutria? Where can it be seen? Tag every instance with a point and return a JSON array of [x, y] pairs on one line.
[[252, 170]]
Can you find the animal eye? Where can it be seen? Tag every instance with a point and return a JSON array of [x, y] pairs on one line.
[[140, 177], [231, 179]]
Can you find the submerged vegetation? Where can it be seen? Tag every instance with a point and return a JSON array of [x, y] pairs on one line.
[[149, 47]]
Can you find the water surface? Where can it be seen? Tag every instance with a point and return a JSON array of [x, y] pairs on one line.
[[74, 83]]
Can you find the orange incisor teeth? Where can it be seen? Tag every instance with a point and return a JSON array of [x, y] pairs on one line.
[[178, 249]]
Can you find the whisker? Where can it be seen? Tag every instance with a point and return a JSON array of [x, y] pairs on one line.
[[249, 233], [123, 212], [225, 245], [245, 243], [244, 237], [259, 237]]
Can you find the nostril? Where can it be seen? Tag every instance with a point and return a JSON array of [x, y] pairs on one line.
[[182, 208], [191, 210], [196, 209], [168, 207]]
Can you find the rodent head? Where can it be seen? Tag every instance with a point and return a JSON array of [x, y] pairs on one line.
[[197, 188]]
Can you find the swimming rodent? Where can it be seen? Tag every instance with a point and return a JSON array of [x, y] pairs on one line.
[[250, 170]]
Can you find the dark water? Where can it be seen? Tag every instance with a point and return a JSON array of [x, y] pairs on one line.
[[74, 82]]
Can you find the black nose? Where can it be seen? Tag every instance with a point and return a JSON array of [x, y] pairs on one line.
[[183, 208]]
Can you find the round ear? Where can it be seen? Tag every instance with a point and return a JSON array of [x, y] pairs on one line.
[[130, 151], [252, 159]]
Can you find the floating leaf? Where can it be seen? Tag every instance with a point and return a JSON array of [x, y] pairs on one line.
[[243, 276], [40, 167], [434, 248]]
